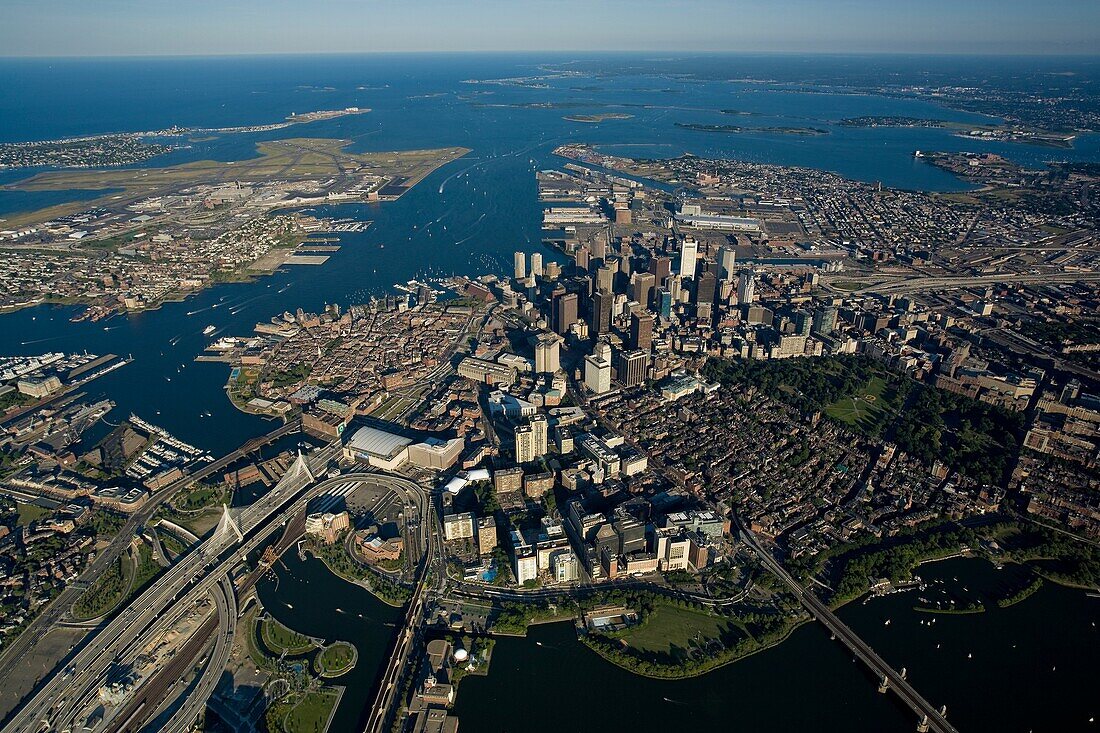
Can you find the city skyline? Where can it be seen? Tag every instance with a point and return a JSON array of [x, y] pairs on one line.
[[123, 28]]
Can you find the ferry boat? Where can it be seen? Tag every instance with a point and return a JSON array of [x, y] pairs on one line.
[[209, 330]]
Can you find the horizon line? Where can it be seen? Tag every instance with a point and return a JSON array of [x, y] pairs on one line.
[[594, 52]]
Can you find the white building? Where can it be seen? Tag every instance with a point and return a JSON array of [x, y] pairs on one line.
[[689, 253], [521, 265]]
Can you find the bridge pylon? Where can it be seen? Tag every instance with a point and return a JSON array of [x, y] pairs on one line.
[[227, 524]]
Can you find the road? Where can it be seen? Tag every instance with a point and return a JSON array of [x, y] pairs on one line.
[[58, 609], [918, 284], [153, 610], [928, 716], [431, 564]]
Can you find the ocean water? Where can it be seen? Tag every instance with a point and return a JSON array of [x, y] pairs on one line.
[[468, 217]]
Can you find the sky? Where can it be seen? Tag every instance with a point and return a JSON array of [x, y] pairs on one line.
[[215, 27]]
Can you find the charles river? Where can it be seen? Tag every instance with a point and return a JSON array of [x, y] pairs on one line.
[[1027, 667]]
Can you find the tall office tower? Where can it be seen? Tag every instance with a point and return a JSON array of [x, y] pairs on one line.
[[824, 320], [599, 248], [541, 426], [565, 312], [674, 285], [640, 286], [727, 256], [704, 288], [584, 258], [603, 351], [601, 312], [547, 353], [631, 367], [689, 252], [802, 323], [605, 279], [662, 300], [597, 374], [624, 266], [641, 331], [525, 444], [521, 265], [536, 264], [661, 267], [746, 287]]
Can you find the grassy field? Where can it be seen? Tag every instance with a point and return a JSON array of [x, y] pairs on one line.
[[870, 410], [296, 159], [279, 638], [310, 713], [670, 627], [106, 593], [335, 659], [29, 513]]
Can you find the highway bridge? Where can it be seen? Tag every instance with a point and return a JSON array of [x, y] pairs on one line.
[[929, 718], [58, 610], [69, 691], [431, 567]]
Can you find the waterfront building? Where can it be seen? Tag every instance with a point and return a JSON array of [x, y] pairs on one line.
[[327, 525], [520, 260], [536, 264]]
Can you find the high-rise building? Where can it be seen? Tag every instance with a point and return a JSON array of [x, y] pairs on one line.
[[597, 374], [663, 301], [565, 312], [547, 353], [525, 444], [601, 312], [660, 266], [536, 264], [746, 288], [541, 425], [520, 260], [689, 252], [704, 288], [727, 256], [802, 323], [486, 535], [641, 330], [631, 367], [584, 258], [824, 320], [674, 284], [641, 285], [605, 279]]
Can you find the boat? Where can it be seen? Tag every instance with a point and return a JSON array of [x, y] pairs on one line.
[[209, 330]]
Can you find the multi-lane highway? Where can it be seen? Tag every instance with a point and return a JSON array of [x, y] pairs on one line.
[[919, 284], [23, 646], [57, 704], [431, 567]]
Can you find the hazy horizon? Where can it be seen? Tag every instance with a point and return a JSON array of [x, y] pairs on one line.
[[123, 28]]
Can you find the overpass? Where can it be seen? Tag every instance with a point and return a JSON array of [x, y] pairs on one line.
[[929, 718], [66, 693], [158, 696], [57, 611], [431, 565]]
